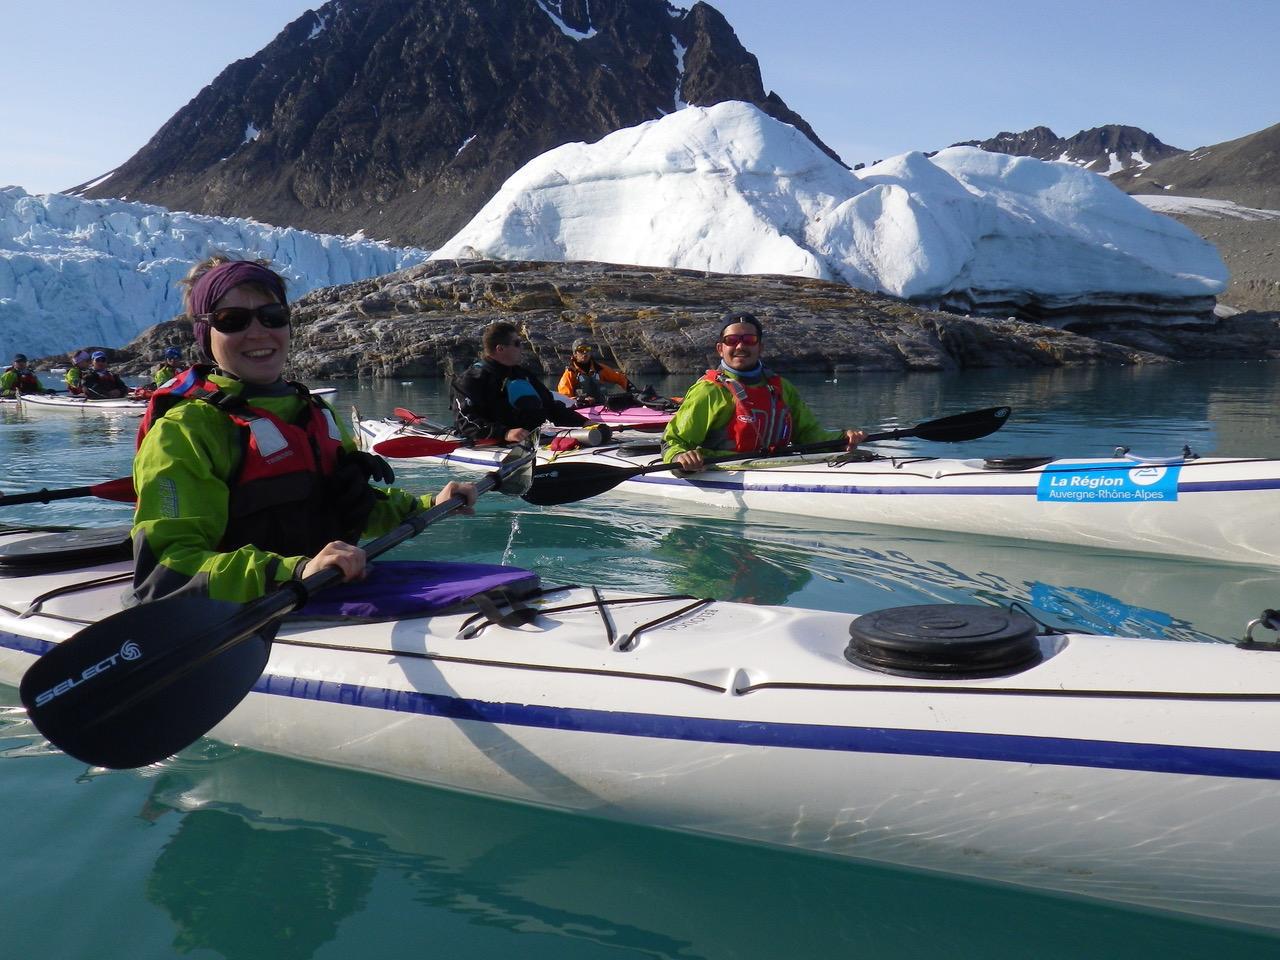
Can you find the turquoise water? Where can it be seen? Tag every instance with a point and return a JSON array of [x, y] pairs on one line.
[[226, 853]]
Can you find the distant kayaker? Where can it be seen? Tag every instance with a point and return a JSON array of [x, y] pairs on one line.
[[742, 406], [584, 378], [19, 378], [245, 480], [75, 373], [498, 399], [99, 383], [168, 367]]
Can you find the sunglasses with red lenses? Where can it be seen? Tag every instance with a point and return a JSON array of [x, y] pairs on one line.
[[746, 339], [235, 319]]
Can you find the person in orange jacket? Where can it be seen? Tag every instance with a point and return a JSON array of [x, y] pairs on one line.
[[584, 378]]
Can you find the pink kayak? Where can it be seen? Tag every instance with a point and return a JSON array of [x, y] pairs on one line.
[[637, 416]]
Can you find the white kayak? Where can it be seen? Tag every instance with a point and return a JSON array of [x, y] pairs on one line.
[[1140, 771], [63, 403], [1219, 509]]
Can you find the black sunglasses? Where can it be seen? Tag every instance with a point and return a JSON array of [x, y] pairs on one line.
[[235, 319]]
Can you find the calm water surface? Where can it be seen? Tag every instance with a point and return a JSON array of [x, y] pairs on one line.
[[225, 853]]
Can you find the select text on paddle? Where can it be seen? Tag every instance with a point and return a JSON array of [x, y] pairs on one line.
[[129, 651]]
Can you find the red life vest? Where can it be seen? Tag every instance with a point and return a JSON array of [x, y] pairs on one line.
[[27, 382], [761, 422], [278, 498]]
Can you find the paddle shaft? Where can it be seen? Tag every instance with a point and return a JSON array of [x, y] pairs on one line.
[[991, 420], [557, 483], [120, 490]]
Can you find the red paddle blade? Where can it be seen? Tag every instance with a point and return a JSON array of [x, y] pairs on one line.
[[408, 416], [414, 447], [119, 490]]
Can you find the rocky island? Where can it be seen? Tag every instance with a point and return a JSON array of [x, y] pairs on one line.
[[425, 321]]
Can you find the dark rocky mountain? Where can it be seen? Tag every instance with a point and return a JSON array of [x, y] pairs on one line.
[[1106, 150], [1245, 171], [402, 117]]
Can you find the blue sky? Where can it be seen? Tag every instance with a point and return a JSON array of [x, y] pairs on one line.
[[85, 83]]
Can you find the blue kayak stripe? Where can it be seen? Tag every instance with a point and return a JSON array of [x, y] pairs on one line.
[[1014, 748], [878, 489], [1057, 751], [1218, 486]]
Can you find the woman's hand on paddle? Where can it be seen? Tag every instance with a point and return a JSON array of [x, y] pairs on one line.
[[347, 558], [516, 435], [854, 437], [690, 461], [455, 489]]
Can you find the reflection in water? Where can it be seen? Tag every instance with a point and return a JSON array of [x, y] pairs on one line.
[[715, 560], [245, 891], [273, 856]]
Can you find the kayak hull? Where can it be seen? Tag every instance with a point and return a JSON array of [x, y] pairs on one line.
[[1215, 509], [40, 403], [61, 403], [1140, 771]]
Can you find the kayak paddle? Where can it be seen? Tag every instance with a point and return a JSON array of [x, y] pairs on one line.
[[408, 416], [120, 490], [142, 684], [556, 483], [413, 446]]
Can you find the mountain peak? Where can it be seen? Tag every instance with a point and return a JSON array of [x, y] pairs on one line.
[[402, 117], [1107, 150]]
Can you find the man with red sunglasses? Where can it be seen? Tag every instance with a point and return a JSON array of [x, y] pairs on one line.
[[742, 406]]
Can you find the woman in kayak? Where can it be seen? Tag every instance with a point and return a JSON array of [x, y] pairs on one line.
[[244, 480], [75, 373]]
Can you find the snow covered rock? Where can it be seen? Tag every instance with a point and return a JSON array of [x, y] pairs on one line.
[[76, 272], [728, 189]]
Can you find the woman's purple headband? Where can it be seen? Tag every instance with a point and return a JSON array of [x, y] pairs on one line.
[[217, 282]]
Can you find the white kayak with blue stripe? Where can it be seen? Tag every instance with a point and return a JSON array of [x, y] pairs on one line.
[[956, 738], [1221, 509]]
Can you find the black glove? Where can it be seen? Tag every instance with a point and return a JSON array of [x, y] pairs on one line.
[[376, 469], [349, 492]]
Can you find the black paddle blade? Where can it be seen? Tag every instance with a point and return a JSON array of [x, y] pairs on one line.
[[140, 685], [963, 426], [557, 483]]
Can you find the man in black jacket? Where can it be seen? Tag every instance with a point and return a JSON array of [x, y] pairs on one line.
[[498, 399]]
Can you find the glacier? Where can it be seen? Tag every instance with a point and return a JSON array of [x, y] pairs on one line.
[[75, 272], [729, 189]]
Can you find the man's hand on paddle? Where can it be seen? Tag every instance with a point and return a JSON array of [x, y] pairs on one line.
[[690, 461], [516, 435], [854, 437]]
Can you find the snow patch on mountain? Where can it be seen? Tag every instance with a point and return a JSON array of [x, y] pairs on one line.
[[76, 271], [728, 189], [1204, 207]]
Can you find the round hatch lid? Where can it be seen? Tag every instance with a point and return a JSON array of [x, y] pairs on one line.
[[944, 641]]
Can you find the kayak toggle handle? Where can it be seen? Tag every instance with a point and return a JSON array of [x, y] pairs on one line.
[[1268, 620]]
